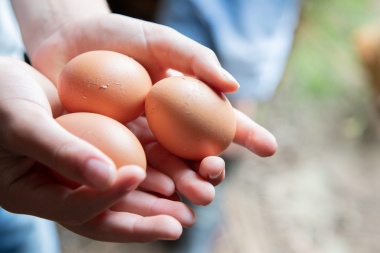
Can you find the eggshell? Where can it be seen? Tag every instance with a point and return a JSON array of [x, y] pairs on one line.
[[189, 118], [104, 82], [107, 134]]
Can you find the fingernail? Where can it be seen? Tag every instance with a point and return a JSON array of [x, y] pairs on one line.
[[216, 175], [98, 173], [228, 76], [135, 175]]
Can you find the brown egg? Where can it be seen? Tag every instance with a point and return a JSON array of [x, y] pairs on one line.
[[108, 135], [189, 118], [104, 82]]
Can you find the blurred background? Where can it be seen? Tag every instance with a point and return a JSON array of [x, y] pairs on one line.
[[320, 192]]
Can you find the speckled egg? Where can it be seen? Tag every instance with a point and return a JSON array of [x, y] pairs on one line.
[[104, 82]]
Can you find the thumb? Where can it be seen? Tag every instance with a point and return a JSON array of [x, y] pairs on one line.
[[38, 136], [27, 128]]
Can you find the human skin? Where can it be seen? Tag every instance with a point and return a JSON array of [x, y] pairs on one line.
[[54, 32]]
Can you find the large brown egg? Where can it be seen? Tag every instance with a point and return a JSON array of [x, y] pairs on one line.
[[106, 83], [189, 118], [108, 135]]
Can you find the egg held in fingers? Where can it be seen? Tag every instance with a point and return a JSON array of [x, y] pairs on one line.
[[108, 135], [189, 118]]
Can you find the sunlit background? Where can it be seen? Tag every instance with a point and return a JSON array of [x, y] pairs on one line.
[[320, 192]]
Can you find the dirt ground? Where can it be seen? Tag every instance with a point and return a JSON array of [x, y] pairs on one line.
[[320, 192]]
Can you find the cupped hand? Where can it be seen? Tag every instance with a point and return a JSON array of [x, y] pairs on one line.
[[115, 210], [105, 204], [159, 49]]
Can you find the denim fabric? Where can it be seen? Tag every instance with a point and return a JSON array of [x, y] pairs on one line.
[[10, 37], [252, 38], [27, 234]]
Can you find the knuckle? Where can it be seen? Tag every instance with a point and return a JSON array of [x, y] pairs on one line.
[[61, 153], [65, 157]]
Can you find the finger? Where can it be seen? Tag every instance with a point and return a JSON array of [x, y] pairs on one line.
[[186, 56], [128, 179], [212, 169], [125, 227], [40, 137], [187, 181], [141, 130], [146, 204], [38, 195], [158, 182], [35, 134], [253, 136], [157, 47]]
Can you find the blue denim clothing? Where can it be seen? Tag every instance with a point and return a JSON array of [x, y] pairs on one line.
[[252, 38], [27, 234], [10, 37]]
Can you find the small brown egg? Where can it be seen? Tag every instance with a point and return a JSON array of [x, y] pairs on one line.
[[108, 135], [104, 82], [189, 118]]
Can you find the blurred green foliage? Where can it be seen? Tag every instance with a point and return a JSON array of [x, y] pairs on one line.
[[324, 62]]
